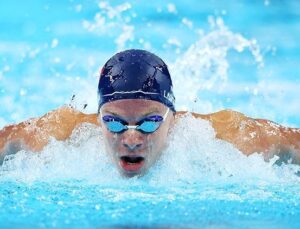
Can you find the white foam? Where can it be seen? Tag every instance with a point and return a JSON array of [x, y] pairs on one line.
[[194, 156]]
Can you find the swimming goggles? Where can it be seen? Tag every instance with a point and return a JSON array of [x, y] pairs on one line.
[[147, 125]]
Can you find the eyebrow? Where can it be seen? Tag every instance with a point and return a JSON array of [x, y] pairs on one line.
[[155, 110]]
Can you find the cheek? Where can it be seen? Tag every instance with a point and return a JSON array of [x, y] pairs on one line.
[[110, 139], [158, 140]]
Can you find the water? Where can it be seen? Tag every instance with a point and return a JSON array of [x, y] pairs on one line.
[[199, 181], [74, 204], [221, 54]]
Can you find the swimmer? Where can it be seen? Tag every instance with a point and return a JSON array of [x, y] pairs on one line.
[[136, 114]]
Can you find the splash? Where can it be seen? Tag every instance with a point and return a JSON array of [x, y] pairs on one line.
[[112, 18], [204, 66], [194, 156]]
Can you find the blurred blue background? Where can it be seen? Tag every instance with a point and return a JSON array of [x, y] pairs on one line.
[[243, 54]]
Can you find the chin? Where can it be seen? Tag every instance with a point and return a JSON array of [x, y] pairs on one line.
[[132, 173]]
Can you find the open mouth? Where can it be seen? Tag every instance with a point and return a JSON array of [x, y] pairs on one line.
[[132, 163]]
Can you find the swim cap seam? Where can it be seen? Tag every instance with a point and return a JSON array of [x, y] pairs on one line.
[[132, 92]]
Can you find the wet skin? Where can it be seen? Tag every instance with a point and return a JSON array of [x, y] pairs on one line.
[[247, 134], [132, 144]]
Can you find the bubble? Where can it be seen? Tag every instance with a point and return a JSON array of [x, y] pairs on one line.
[[194, 155], [54, 43]]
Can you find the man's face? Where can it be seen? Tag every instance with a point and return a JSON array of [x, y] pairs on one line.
[[134, 152]]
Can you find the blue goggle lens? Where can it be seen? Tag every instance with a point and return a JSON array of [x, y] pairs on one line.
[[115, 126], [148, 125]]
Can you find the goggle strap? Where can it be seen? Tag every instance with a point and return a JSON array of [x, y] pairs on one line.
[[166, 114]]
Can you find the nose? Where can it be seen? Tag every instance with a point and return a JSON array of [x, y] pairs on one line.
[[132, 140], [132, 147]]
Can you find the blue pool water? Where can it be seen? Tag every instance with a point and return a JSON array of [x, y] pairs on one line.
[[222, 54], [73, 204]]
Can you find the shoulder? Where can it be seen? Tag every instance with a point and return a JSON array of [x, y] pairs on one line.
[[67, 115], [35, 132], [229, 125], [223, 116]]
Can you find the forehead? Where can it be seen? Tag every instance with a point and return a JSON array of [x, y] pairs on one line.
[[133, 107]]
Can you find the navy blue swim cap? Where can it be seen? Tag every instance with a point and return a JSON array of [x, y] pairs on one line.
[[135, 74]]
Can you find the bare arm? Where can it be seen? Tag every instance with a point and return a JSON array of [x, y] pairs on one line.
[[34, 134], [255, 135]]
